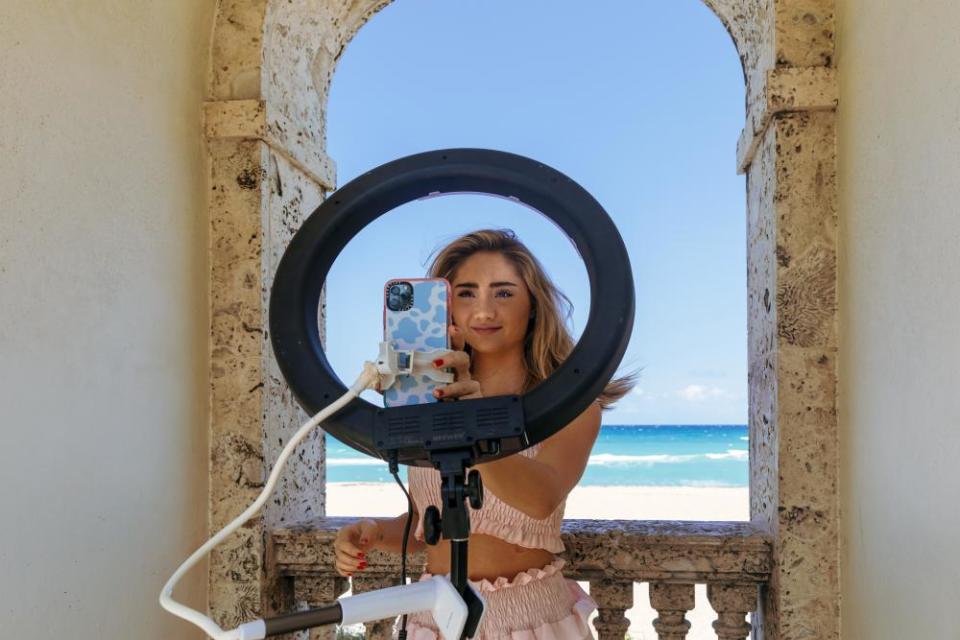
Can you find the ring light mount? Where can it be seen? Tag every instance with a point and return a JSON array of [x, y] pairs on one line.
[[450, 436], [492, 427]]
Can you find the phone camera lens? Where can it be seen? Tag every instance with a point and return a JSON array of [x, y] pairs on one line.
[[400, 296]]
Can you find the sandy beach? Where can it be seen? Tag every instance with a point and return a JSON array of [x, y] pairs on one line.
[[635, 503], [632, 503]]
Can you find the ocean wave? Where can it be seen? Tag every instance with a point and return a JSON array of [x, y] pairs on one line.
[[607, 459], [358, 462], [709, 484], [745, 438], [611, 459], [599, 460], [731, 454]]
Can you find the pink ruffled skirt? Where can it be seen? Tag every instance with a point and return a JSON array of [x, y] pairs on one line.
[[538, 604]]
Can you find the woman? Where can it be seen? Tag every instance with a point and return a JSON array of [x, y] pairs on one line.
[[508, 335]]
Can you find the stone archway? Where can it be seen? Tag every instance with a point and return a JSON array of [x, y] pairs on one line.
[[272, 62]]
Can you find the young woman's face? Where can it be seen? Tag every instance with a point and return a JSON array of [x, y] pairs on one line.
[[491, 303]]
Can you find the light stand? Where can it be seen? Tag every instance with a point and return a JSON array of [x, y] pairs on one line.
[[449, 436], [456, 606], [454, 521]]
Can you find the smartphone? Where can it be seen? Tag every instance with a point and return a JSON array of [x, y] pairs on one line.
[[416, 314]]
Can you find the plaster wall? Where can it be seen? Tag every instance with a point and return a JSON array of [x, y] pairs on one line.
[[899, 176], [103, 314]]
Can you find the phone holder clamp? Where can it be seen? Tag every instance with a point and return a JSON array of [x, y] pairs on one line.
[[396, 362]]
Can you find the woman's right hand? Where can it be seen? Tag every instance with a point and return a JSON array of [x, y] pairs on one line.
[[352, 544], [463, 386]]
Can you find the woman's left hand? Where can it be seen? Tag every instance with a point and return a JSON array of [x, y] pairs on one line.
[[463, 386]]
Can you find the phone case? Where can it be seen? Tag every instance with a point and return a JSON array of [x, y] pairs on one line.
[[421, 327]]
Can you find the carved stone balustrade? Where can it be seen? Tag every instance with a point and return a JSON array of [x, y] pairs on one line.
[[671, 602], [732, 558]]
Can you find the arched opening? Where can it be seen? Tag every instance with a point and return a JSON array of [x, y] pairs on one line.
[[627, 119], [646, 118], [265, 123]]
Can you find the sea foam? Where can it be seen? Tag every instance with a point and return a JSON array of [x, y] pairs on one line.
[[610, 459]]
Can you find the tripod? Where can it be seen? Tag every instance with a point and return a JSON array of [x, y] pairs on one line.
[[456, 606]]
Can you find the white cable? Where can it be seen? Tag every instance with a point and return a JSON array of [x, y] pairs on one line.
[[367, 380]]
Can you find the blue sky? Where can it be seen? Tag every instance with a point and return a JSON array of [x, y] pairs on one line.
[[641, 105]]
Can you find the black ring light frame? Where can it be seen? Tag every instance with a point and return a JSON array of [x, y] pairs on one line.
[[491, 427], [451, 436]]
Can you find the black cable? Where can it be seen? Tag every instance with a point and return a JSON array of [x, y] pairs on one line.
[[395, 471]]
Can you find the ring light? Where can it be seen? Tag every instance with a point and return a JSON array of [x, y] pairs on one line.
[[490, 427]]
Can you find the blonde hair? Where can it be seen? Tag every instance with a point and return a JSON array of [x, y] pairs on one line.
[[548, 341]]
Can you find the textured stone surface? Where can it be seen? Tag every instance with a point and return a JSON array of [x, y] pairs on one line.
[[236, 373], [732, 602], [658, 550], [617, 550], [804, 33], [789, 150], [762, 334], [610, 554], [613, 598], [671, 602], [807, 525], [236, 53], [300, 494], [258, 120], [271, 67], [793, 369], [785, 89], [258, 199]]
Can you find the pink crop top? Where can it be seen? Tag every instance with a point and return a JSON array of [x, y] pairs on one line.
[[495, 518]]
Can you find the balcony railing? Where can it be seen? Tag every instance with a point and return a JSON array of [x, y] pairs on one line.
[[732, 558]]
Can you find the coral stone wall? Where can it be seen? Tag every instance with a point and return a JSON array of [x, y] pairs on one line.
[[271, 68]]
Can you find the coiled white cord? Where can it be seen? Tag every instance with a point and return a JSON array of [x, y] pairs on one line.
[[368, 379]]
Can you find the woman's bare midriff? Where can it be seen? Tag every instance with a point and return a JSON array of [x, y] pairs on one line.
[[489, 558]]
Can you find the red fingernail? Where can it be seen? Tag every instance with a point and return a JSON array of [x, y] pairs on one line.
[[360, 555], [438, 362], [439, 393], [363, 565]]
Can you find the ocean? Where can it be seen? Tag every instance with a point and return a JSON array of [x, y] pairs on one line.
[[623, 455]]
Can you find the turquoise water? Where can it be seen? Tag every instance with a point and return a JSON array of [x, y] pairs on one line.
[[623, 455]]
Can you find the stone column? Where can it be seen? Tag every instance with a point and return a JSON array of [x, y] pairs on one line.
[[732, 602], [613, 598], [788, 150], [258, 198], [671, 602], [271, 64]]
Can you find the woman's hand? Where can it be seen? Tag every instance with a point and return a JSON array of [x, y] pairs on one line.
[[352, 543], [463, 386]]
